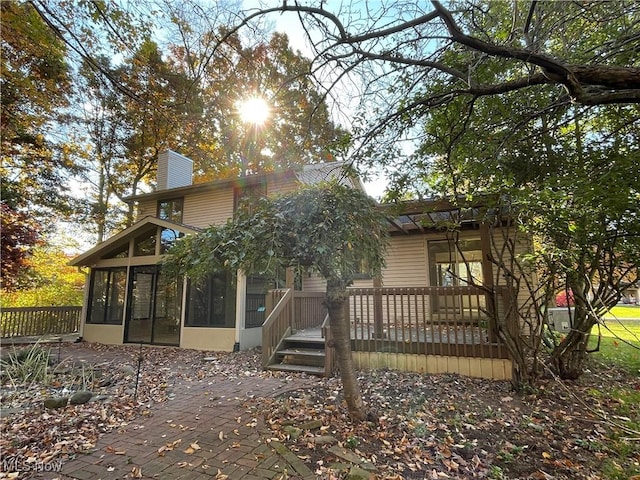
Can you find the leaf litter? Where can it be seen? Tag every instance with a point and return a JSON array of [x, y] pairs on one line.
[[419, 426]]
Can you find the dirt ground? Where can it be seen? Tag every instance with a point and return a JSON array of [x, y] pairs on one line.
[[419, 426]]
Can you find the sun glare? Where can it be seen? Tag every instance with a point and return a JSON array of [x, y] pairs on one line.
[[254, 110]]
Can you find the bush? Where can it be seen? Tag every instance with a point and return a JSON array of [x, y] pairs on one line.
[[565, 299]]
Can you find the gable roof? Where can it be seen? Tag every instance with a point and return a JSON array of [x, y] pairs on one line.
[[307, 174], [94, 254], [320, 172]]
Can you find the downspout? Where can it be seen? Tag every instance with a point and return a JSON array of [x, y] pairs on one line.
[[241, 297]]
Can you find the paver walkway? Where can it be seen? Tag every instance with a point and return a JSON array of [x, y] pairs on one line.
[[215, 414]]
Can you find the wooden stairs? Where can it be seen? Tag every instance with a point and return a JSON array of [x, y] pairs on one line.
[[303, 351]]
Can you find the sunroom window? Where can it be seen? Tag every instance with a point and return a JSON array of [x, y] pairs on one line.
[[106, 300]]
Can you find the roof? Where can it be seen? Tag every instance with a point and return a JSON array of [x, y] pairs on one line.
[[433, 213], [307, 174], [319, 172], [94, 254]]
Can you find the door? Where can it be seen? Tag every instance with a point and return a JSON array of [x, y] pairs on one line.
[[452, 265], [153, 310]]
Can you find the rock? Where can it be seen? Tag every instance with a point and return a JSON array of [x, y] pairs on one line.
[[357, 473], [325, 440], [53, 403], [293, 432], [312, 425], [81, 397], [351, 457], [101, 398], [127, 370]]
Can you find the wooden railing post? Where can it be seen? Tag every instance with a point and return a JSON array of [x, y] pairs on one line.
[[377, 308]]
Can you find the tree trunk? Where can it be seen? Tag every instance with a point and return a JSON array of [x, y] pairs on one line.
[[336, 298], [569, 356]]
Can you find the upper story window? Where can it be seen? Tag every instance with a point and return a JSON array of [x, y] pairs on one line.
[[249, 193], [171, 209]]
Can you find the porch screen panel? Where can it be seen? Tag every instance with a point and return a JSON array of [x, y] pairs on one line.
[[211, 302], [106, 301]]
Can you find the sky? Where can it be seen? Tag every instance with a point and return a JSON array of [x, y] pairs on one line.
[[289, 23]]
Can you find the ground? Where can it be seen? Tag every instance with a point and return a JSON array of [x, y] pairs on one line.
[[419, 426]]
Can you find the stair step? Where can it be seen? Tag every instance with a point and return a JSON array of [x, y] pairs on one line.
[[307, 352], [289, 367], [301, 339]]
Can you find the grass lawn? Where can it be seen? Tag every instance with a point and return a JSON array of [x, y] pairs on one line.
[[619, 344], [624, 311]]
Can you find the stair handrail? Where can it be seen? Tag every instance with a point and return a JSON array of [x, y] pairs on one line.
[[328, 346], [276, 326]]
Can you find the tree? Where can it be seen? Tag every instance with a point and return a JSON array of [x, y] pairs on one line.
[[47, 280], [19, 236], [299, 129], [533, 102], [328, 228], [35, 91]]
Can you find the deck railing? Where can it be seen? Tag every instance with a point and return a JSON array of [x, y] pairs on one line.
[[452, 321], [33, 321], [287, 311], [278, 323], [445, 321]]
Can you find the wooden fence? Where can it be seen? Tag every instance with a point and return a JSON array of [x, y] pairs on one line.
[[31, 321]]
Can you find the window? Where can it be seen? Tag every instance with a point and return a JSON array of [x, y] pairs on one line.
[[211, 302], [248, 193], [145, 244], [451, 266], [171, 209], [106, 298], [167, 239], [364, 272]]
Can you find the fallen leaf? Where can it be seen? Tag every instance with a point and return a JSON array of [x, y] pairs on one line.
[[221, 476], [136, 472]]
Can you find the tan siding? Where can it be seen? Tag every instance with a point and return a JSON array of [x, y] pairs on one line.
[[147, 208], [406, 262], [211, 339], [208, 208], [280, 185], [313, 283], [522, 246]]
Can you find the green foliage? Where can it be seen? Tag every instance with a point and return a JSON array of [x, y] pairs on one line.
[[618, 345], [549, 163], [35, 90], [329, 228], [26, 366]]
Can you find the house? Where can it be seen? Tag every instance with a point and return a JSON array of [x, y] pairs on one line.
[[423, 315]]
